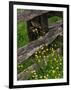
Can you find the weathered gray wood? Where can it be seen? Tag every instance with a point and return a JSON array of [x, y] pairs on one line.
[[24, 75], [25, 52], [58, 24], [44, 23], [31, 25], [30, 14]]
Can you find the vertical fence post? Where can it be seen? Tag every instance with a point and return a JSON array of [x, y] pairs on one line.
[[44, 23]]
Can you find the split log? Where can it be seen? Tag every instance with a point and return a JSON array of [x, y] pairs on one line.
[[25, 52], [24, 75], [30, 14]]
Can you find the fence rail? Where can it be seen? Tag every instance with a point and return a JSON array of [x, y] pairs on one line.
[[28, 15], [25, 52]]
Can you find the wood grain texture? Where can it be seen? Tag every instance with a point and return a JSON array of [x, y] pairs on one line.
[[24, 53]]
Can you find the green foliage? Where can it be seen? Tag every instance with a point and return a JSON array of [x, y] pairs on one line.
[[54, 19], [50, 65], [22, 35]]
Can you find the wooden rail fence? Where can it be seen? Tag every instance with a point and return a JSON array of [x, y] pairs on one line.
[[25, 52]]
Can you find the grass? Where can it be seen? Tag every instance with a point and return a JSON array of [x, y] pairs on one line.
[[22, 34], [53, 20], [49, 61], [51, 68]]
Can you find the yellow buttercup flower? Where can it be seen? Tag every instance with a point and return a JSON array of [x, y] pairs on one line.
[[36, 52], [33, 71], [55, 59], [38, 60], [33, 30], [52, 49], [59, 74], [26, 71], [40, 76], [21, 66], [42, 47], [47, 49], [45, 77], [37, 32], [39, 51], [45, 63], [36, 56], [33, 76], [60, 63], [57, 67], [36, 29], [52, 67], [53, 71]]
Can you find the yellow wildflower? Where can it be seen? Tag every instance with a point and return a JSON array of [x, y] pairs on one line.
[[60, 63], [47, 49], [33, 30], [21, 66], [40, 76], [40, 56], [38, 60], [36, 29], [36, 56], [33, 71], [36, 52], [57, 67], [55, 59], [53, 71], [42, 48], [45, 77]]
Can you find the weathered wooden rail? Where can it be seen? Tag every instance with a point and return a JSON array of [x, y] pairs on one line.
[[30, 14], [53, 31], [24, 75], [25, 52]]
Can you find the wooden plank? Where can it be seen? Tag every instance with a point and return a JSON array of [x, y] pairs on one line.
[[24, 75], [30, 14], [44, 23], [58, 24], [28, 50], [32, 25]]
